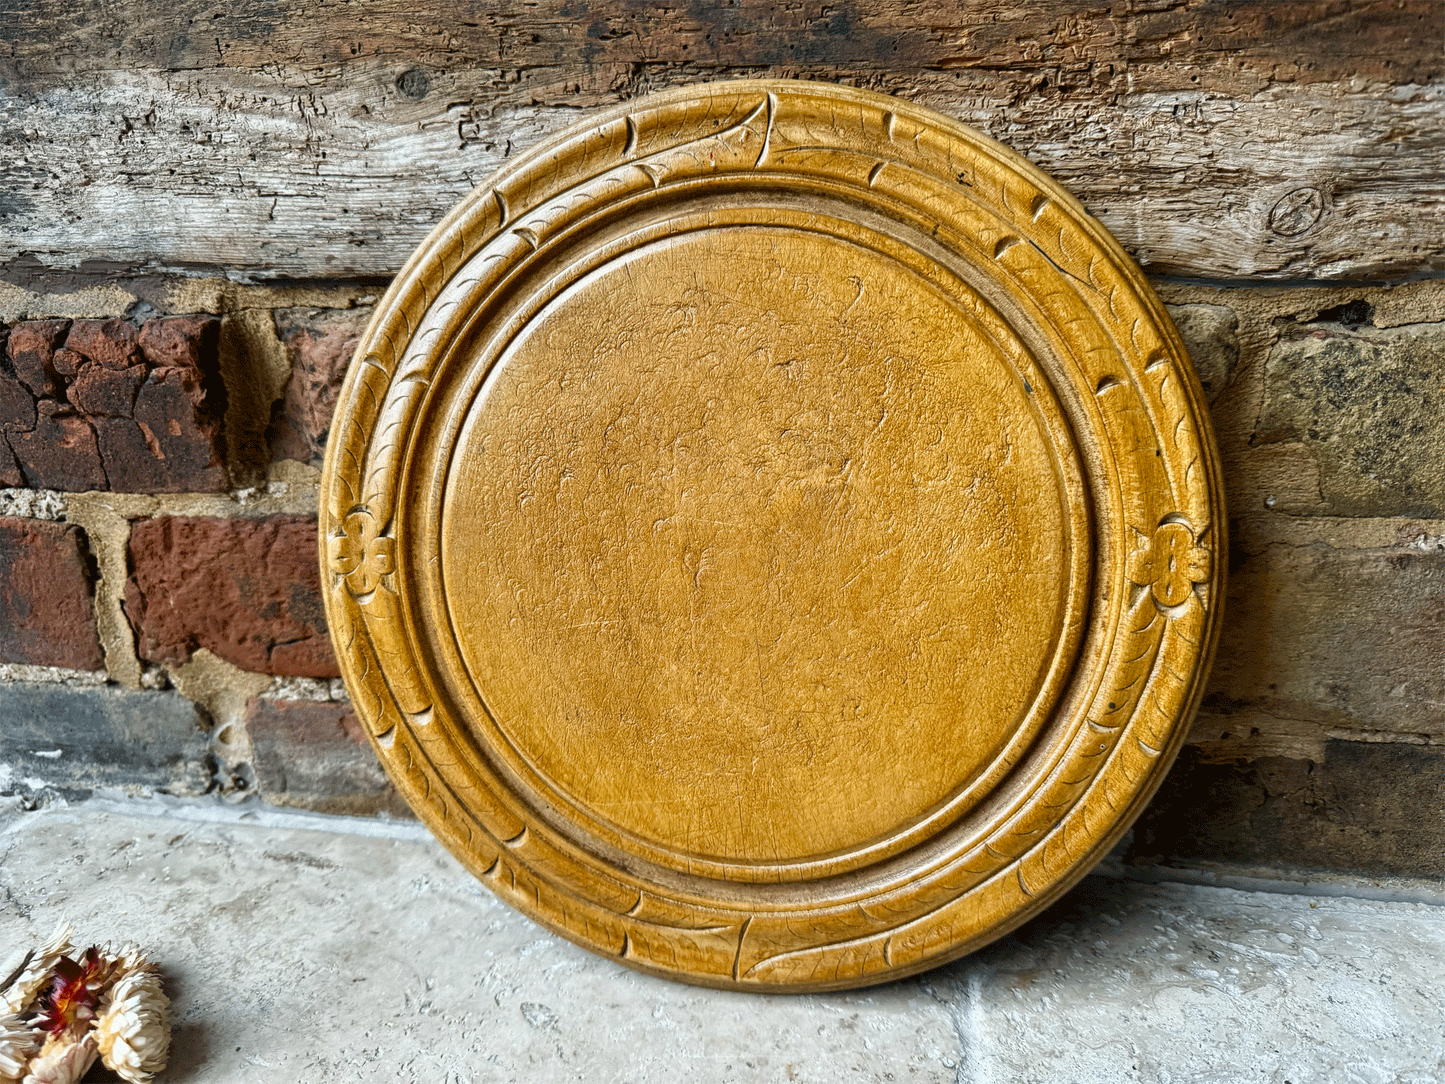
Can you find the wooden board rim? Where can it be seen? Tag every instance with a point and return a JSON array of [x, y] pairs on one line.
[[372, 645]]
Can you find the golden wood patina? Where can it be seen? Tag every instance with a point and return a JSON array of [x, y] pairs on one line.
[[770, 533]]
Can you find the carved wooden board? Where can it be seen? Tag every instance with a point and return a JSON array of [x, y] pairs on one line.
[[771, 536]]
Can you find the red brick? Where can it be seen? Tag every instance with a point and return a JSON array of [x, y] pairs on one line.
[[98, 389], [10, 474], [47, 617], [182, 426], [247, 590], [319, 357], [67, 363], [314, 755], [60, 452], [176, 444], [110, 342], [125, 450], [32, 349], [184, 341], [17, 405], [114, 408], [171, 445]]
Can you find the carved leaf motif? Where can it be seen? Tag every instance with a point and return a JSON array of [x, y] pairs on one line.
[[1139, 640], [1176, 418], [1174, 678], [349, 439], [369, 691], [382, 613]]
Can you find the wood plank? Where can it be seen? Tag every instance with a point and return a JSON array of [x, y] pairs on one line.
[[1279, 141], [1165, 44]]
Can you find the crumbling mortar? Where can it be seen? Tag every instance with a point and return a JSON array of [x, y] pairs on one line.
[[301, 688], [255, 367], [48, 504], [221, 691], [46, 297], [51, 675], [108, 532]]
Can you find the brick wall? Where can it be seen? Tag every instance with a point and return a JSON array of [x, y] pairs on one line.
[[161, 625]]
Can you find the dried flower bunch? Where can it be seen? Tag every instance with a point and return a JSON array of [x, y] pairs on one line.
[[59, 1012]]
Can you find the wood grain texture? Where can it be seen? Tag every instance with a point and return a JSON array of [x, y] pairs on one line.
[[476, 579], [1289, 140]]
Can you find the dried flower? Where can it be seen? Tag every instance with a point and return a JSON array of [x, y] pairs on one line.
[[19, 1042], [62, 1011], [127, 959], [66, 1006], [97, 971], [34, 973], [133, 1029], [15, 963], [62, 1061]]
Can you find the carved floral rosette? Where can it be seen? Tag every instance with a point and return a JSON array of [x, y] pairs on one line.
[[1151, 498]]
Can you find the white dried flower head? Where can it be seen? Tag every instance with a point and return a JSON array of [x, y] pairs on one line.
[[127, 960], [14, 963], [62, 1061], [36, 971], [19, 1042], [134, 1028]]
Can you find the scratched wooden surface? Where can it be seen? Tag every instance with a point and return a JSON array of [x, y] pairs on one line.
[[1287, 140], [773, 536]]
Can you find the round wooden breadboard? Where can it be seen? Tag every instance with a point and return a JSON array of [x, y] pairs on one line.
[[771, 534]]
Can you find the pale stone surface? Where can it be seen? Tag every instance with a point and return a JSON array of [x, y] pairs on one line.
[[1337, 631], [1211, 332], [323, 949], [1368, 406], [302, 955], [1184, 984]]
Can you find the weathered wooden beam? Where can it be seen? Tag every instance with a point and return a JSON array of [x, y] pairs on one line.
[[1168, 44], [1286, 140]]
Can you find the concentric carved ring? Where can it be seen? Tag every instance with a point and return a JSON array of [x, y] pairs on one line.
[[770, 536]]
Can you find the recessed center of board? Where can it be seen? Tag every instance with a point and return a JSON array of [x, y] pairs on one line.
[[757, 543]]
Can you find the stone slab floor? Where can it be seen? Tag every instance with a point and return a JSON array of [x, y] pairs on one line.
[[309, 949]]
